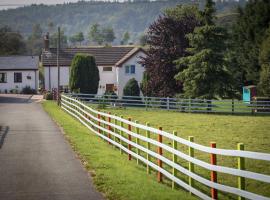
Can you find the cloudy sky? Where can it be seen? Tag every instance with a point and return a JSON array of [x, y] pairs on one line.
[[4, 4]]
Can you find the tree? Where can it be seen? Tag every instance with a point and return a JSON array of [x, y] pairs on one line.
[[54, 38], [167, 42], [248, 33], [143, 40], [264, 58], [35, 40], [84, 74], [95, 34], [11, 42], [131, 88], [108, 35], [125, 38], [78, 37], [203, 72]]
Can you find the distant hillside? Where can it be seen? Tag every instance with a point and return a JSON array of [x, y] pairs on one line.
[[134, 17]]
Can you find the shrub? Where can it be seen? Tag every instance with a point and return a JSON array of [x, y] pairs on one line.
[[48, 96], [28, 90], [84, 74], [132, 88]]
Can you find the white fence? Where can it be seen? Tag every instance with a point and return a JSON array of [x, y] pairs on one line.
[[118, 132]]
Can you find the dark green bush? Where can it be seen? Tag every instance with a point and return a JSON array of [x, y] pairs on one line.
[[132, 88], [48, 96], [28, 90]]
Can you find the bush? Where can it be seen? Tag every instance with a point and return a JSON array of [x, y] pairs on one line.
[[132, 88], [84, 74], [28, 90], [48, 96]]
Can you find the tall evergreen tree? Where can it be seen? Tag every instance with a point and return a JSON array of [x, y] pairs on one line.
[[203, 72], [248, 35], [84, 74], [167, 42]]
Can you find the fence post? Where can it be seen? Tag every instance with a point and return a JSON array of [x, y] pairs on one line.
[[148, 147], [174, 158], [159, 177], [121, 134], [109, 127], [190, 164], [241, 166], [232, 106], [137, 141], [213, 158], [99, 123], [168, 103], [129, 138], [115, 129]]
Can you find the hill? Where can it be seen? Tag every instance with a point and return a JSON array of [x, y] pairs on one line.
[[134, 17]]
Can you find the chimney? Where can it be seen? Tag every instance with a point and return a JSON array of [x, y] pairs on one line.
[[47, 41]]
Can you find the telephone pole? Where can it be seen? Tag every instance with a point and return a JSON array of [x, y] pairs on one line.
[[58, 67]]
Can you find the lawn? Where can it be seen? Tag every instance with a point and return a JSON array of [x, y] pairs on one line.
[[113, 174], [225, 130]]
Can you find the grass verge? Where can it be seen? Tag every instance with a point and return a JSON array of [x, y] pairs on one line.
[[113, 174]]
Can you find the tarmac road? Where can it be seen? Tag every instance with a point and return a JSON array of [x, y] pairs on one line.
[[36, 162]]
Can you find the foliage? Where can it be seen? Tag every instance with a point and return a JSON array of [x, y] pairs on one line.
[[167, 41], [144, 84], [264, 58], [143, 39], [100, 35], [48, 95], [132, 88], [28, 90], [11, 42], [35, 40], [125, 38], [248, 33], [54, 39], [204, 72], [84, 74], [133, 17], [77, 38]]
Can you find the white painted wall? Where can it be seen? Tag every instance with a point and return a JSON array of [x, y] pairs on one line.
[[123, 78], [52, 72], [107, 77], [9, 85]]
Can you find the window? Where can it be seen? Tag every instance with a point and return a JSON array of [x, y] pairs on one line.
[[107, 69], [109, 87], [130, 69], [17, 77], [3, 77]]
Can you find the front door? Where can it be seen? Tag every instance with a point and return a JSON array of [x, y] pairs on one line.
[[109, 87]]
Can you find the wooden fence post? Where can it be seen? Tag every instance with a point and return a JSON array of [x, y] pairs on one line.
[[190, 164], [137, 141], [241, 166], [159, 176], [213, 158], [174, 158], [109, 127], [121, 134], [148, 147], [129, 138], [232, 106]]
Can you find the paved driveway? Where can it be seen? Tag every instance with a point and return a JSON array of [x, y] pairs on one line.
[[36, 162]]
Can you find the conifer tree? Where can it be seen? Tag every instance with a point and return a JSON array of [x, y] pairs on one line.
[[203, 72]]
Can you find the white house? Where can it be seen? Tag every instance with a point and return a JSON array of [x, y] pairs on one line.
[[117, 65], [17, 72]]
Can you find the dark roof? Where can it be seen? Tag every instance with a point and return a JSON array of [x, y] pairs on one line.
[[105, 56], [18, 62]]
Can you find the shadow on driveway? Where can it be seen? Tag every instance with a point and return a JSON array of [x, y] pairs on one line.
[[3, 134], [9, 98]]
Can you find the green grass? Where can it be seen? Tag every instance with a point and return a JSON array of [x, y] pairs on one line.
[[113, 174], [225, 130]]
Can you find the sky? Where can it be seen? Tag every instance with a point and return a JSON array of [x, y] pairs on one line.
[[5, 4]]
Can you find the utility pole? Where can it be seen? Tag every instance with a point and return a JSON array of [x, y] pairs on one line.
[[58, 67]]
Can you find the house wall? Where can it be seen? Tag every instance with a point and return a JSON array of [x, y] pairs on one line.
[[9, 85], [50, 73], [123, 78], [106, 77]]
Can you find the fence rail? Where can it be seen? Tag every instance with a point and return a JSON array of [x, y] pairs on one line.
[[118, 132], [179, 104]]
